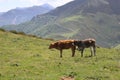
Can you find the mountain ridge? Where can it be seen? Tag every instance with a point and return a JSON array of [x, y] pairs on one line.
[[78, 19]]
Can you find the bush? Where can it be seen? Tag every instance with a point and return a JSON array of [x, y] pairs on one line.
[[49, 39], [22, 33], [1, 29], [13, 31], [30, 35]]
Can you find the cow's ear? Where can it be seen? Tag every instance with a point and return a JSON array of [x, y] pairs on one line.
[[52, 43], [80, 42], [75, 42]]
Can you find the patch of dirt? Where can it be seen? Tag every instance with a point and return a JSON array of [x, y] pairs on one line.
[[67, 78]]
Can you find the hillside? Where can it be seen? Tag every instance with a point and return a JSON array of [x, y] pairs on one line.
[[19, 15], [28, 58], [79, 19]]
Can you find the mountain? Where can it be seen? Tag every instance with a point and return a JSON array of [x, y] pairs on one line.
[[1, 13], [19, 15], [79, 19]]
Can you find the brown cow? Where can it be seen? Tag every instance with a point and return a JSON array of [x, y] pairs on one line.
[[82, 44], [63, 44]]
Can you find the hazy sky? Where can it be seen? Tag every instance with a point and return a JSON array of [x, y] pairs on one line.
[[6, 5]]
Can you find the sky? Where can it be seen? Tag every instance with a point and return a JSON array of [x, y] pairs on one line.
[[6, 5]]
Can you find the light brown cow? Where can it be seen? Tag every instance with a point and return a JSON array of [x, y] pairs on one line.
[[63, 44]]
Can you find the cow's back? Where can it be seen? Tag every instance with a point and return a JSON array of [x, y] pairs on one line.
[[65, 44], [89, 42]]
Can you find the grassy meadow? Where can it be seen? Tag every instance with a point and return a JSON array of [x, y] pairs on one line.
[[28, 58]]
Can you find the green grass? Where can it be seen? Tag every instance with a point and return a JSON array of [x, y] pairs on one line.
[[28, 58]]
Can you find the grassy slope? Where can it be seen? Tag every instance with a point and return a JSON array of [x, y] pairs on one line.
[[28, 58]]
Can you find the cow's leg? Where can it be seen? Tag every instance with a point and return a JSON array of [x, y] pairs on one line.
[[60, 53], [73, 51], [94, 48], [91, 49], [82, 50]]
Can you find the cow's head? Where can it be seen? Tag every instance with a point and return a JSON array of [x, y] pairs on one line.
[[79, 44], [53, 45]]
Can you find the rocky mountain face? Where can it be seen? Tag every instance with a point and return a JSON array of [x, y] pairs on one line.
[[19, 15], [79, 19]]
